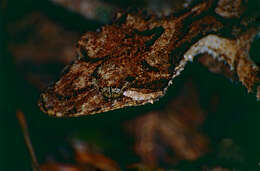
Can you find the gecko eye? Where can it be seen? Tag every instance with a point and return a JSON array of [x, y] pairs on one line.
[[111, 92]]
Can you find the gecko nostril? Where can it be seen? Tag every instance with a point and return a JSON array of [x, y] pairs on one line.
[[254, 50], [82, 52]]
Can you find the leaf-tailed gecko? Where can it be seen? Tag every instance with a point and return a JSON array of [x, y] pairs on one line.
[[134, 60]]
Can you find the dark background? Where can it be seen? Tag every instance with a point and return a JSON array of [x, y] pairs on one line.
[[237, 116]]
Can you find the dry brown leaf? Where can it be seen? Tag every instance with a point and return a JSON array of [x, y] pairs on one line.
[[175, 127], [91, 9], [39, 45], [85, 156], [59, 167]]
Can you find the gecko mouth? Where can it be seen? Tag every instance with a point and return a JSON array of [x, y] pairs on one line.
[[91, 102]]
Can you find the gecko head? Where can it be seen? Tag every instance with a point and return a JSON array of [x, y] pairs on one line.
[[110, 73]]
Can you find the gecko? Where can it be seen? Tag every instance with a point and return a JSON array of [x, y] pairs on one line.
[[135, 59]]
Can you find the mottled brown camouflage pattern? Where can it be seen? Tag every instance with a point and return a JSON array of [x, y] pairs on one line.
[[133, 61]]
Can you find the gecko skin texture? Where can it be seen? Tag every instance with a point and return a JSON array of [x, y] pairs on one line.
[[134, 60]]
